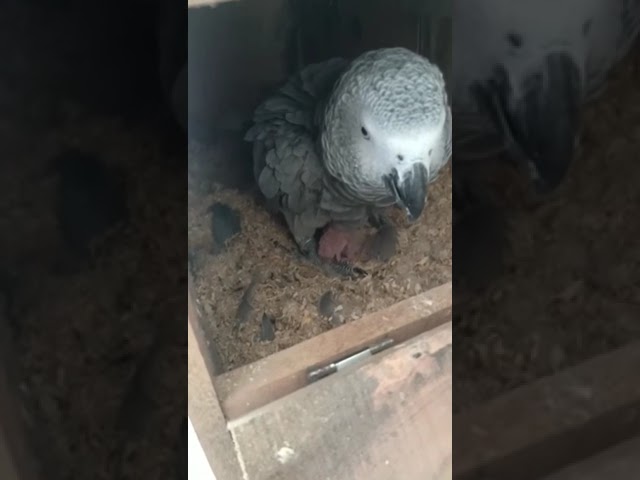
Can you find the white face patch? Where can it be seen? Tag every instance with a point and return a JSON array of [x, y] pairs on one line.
[[383, 151], [381, 154], [413, 146]]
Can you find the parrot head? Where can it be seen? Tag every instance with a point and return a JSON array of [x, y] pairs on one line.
[[537, 113], [383, 126]]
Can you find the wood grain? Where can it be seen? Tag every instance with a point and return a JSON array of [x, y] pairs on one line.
[[204, 408], [538, 428], [254, 385], [386, 419]]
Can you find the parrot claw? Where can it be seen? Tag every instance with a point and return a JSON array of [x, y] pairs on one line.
[[378, 220], [309, 252], [347, 270]]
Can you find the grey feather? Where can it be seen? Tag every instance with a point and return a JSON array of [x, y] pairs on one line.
[[268, 183]]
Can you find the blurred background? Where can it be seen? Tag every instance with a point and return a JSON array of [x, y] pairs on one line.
[[93, 177]]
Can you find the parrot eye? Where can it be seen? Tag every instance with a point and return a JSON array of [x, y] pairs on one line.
[[364, 132], [400, 157]]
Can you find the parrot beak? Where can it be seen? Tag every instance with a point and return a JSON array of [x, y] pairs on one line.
[[544, 123], [410, 191]]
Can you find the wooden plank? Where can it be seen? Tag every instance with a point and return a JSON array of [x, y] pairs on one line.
[[205, 413], [386, 419], [236, 53], [254, 385], [538, 428], [621, 462], [208, 349]]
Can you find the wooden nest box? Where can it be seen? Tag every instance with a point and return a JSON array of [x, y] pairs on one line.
[[371, 398], [333, 406]]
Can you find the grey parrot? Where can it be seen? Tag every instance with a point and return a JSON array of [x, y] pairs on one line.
[[523, 71], [342, 140]]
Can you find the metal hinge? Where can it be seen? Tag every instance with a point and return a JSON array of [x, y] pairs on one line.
[[333, 367]]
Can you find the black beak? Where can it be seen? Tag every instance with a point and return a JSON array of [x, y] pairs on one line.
[[541, 124], [410, 192]]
